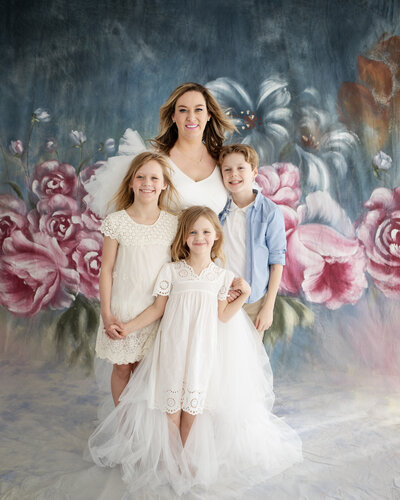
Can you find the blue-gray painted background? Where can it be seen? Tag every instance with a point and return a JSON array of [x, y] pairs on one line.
[[100, 67]]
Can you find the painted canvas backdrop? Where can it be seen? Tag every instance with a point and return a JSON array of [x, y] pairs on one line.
[[313, 85]]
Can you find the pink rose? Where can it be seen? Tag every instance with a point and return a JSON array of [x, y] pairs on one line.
[[58, 216], [327, 266], [90, 220], [34, 274], [52, 177], [87, 258], [379, 231], [280, 182], [12, 216]]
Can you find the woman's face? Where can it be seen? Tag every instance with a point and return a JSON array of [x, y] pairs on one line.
[[191, 115]]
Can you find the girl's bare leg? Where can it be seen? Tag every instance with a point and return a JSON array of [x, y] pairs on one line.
[[119, 379], [175, 418], [186, 424]]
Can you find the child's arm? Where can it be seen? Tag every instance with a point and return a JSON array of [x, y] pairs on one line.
[[225, 310], [266, 315], [110, 247], [152, 313]]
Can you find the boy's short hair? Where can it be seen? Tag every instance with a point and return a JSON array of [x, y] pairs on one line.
[[249, 153]]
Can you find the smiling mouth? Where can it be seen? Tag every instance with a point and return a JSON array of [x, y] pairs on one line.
[[191, 126], [147, 190], [235, 183]]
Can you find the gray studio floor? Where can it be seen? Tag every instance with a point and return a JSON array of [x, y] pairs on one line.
[[350, 429]]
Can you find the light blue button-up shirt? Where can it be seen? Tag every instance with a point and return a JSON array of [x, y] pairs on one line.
[[265, 242]]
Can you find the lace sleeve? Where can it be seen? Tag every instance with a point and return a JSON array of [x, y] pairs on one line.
[[163, 281], [224, 290], [109, 227]]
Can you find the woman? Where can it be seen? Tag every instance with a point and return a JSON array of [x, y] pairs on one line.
[[191, 132]]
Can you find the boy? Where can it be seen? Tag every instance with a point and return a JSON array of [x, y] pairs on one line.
[[254, 231]]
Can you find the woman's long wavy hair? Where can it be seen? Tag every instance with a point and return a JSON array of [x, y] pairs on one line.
[[124, 197], [179, 247], [216, 128]]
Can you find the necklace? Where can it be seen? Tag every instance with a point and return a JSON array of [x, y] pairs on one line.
[[190, 159]]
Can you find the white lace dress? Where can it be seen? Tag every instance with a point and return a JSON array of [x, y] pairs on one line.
[[183, 357], [216, 371], [142, 251]]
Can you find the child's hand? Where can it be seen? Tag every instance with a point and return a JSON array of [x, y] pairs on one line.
[[240, 285], [233, 294], [127, 328], [264, 319], [114, 331]]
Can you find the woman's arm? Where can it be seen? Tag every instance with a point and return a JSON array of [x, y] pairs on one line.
[[110, 248], [225, 310], [152, 313]]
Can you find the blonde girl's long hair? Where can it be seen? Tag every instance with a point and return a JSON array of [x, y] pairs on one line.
[[124, 197], [216, 127], [179, 248]]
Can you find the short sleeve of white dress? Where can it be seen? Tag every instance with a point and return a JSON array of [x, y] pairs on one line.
[[163, 281], [109, 227], [224, 290]]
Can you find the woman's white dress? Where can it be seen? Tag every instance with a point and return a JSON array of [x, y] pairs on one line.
[[142, 251], [218, 372], [209, 191]]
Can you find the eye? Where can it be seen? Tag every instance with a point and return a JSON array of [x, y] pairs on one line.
[[182, 110], [155, 178], [139, 176], [199, 109]]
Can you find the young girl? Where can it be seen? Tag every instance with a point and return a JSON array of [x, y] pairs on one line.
[[137, 240], [196, 413]]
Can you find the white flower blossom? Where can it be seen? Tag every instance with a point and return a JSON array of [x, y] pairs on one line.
[[382, 161], [264, 123], [42, 115], [77, 137], [324, 145], [109, 145], [16, 147]]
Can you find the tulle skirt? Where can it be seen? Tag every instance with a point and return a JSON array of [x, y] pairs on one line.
[[234, 444]]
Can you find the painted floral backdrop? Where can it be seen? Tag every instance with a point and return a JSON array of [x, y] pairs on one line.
[[332, 166]]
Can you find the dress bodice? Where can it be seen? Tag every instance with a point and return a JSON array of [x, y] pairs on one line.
[[209, 191]]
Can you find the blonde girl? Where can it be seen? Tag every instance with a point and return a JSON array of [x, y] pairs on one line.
[[137, 240]]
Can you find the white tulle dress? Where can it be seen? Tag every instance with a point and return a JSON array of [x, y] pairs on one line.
[[218, 372], [142, 251]]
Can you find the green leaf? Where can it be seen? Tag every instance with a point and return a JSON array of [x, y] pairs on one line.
[[75, 332], [285, 151], [16, 188], [288, 314]]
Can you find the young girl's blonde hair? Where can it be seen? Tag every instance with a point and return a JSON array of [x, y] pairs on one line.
[[179, 248], [124, 197]]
